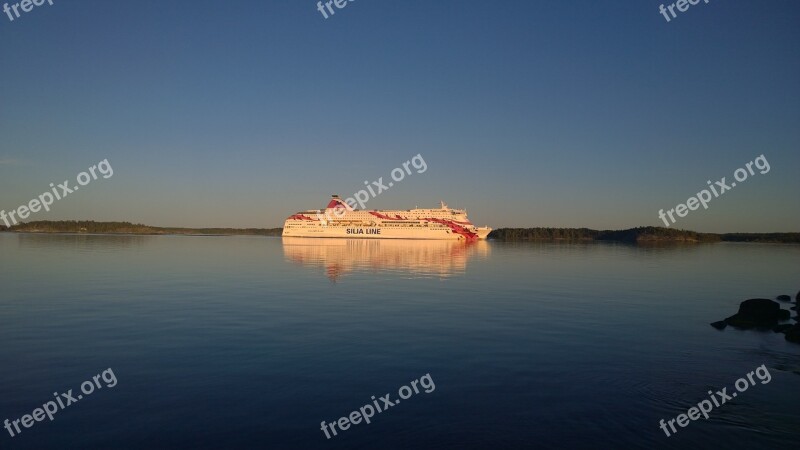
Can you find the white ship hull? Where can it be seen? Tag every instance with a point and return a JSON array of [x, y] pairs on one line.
[[375, 232], [339, 220]]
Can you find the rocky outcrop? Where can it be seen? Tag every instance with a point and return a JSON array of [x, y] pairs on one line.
[[791, 331], [783, 328], [793, 334], [765, 314], [758, 313], [720, 325]]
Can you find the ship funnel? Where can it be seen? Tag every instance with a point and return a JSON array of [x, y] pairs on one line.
[[336, 202]]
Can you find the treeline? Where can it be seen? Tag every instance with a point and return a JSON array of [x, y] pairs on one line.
[[640, 234], [544, 234], [656, 234], [789, 238], [90, 226]]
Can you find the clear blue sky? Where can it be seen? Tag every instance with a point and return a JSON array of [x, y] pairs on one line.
[[527, 113]]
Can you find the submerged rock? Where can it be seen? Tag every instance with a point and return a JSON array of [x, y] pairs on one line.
[[720, 325], [793, 334], [758, 312], [784, 298]]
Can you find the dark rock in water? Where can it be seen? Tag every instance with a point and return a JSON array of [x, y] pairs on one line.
[[759, 307], [758, 312], [719, 325], [783, 328], [784, 298], [793, 334], [797, 298]]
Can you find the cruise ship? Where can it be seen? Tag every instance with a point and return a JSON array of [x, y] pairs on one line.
[[339, 220]]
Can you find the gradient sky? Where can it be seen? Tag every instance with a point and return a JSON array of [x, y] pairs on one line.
[[527, 113]]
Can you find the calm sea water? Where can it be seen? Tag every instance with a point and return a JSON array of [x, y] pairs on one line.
[[251, 342]]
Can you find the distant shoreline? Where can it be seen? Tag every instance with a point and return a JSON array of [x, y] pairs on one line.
[[127, 228], [639, 235]]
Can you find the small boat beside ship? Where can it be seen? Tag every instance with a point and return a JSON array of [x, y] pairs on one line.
[[339, 220]]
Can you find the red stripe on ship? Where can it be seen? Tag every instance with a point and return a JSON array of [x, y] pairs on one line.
[[385, 217], [462, 223], [458, 229]]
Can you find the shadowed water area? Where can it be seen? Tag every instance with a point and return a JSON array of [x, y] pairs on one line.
[[251, 342]]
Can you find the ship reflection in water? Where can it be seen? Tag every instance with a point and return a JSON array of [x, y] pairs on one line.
[[338, 257]]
